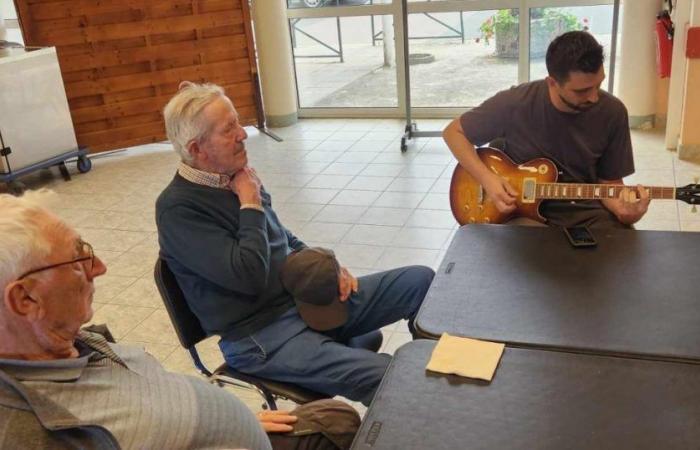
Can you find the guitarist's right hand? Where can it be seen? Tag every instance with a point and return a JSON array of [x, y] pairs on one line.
[[500, 192]]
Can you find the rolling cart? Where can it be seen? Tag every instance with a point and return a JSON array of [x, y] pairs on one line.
[[36, 130], [411, 131], [10, 176]]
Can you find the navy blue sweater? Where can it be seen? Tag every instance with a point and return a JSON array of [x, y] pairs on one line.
[[226, 260]]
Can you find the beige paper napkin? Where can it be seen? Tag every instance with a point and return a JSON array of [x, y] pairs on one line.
[[465, 357]]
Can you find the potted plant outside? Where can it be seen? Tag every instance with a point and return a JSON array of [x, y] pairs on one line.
[[545, 25]]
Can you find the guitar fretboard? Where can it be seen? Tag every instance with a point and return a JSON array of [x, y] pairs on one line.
[[572, 191]]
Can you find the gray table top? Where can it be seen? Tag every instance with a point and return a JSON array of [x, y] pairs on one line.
[[636, 293], [537, 400]]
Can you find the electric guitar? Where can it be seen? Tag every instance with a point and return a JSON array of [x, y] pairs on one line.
[[535, 180]]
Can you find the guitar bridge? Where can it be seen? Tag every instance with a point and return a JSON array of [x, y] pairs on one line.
[[529, 193]]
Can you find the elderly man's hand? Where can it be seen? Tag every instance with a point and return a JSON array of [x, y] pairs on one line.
[[276, 421], [347, 284], [246, 184]]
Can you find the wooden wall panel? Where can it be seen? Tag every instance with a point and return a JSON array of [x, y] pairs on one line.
[[122, 60]]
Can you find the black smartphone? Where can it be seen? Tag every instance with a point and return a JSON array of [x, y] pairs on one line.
[[580, 236]]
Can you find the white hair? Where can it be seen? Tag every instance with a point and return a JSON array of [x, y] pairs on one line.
[[183, 122], [23, 232]]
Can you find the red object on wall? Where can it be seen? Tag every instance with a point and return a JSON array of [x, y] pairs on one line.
[[664, 45], [692, 50]]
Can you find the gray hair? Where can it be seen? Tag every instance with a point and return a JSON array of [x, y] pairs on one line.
[[23, 230], [183, 123]]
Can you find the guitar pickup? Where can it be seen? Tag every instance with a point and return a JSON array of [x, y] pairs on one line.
[[528, 190]]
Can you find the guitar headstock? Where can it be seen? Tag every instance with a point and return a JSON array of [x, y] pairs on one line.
[[690, 193]]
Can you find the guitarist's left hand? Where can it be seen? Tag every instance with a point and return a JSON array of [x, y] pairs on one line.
[[630, 206]]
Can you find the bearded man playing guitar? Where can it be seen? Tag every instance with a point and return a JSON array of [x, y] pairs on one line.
[[567, 119]]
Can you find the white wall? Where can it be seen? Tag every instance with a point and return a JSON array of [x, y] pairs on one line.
[[677, 93], [7, 9], [637, 74]]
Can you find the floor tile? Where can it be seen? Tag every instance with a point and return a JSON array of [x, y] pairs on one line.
[[339, 213], [344, 168], [435, 201], [355, 198], [109, 286], [385, 216], [297, 211], [324, 232], [370, 234], [417, 170], [426, 218], [408, 200], [429, 238], [379, 170], [121, 319], [329, 181], [313, 195], [356, 255], [356, 157], [397, 257], [363, 183], [155, 328], [142, 292], [411, 185]]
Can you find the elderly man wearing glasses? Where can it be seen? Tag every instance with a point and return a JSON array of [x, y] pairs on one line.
[[62, 387]]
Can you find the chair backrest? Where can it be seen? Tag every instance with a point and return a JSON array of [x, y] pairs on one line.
[[189, 330]]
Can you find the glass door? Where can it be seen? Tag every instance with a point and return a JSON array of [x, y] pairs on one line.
[[349, 58], [342, 64]]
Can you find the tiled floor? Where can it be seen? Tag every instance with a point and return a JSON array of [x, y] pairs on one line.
[[342, 184]]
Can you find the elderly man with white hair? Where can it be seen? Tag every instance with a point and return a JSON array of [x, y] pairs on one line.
[[62, 387], [226, 246]]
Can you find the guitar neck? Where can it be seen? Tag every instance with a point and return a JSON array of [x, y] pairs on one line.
[[574, 191]]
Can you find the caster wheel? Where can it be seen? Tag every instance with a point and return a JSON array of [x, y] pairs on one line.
[[404, 147], [84, 164], [17, 188]]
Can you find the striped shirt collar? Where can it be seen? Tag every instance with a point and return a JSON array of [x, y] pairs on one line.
[[196, 176], [94, 348]]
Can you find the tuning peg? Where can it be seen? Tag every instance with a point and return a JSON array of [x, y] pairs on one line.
[[696, 180], [694, 209]]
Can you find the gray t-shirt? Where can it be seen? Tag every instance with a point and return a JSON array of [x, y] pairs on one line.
[[586, 146]]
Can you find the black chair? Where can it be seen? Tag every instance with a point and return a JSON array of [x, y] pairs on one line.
[[190, 333]]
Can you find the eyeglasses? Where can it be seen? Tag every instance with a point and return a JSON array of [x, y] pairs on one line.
[[87, 255]]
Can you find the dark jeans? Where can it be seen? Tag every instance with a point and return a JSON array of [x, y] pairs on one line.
[[591, 213], [287, 350]]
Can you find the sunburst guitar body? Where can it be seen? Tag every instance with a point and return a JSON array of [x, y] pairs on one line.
[[535, 181]]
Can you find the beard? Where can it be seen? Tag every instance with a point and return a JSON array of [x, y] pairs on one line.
[[581, 107]]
